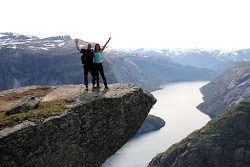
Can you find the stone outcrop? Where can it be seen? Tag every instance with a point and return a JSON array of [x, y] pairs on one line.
[[227, 90], [224, 141], [151, 123], [24, 105], [94, 124]]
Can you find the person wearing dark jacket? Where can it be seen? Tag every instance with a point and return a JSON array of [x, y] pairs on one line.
[[87, 60]]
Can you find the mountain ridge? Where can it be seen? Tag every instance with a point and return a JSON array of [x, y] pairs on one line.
[[55, 61], [198, 57], [227, 90]]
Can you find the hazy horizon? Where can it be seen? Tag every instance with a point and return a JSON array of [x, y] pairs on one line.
[[161, 24]]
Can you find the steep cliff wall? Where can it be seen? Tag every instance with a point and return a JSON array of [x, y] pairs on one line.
[[223, 142], [91, 125], [227, 90]]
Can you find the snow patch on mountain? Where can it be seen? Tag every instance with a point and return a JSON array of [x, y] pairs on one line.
[[3, 35], [18, 43], [49, 45], [58, 40], [61, 44], [15, 35], [13, 47]]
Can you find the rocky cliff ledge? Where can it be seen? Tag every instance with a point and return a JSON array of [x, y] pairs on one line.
[[223, 142], [227, 90], [69, 125]]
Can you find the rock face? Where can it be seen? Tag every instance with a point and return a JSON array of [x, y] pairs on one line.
[[227, 90], [224, 141], [151, 123], [95, 124]]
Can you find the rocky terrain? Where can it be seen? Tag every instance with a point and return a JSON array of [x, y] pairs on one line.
[[151, 123], [29, 60], [224, 141], [227, 90], [68, 125]]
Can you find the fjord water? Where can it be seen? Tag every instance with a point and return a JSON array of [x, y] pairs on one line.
[[176, 104]]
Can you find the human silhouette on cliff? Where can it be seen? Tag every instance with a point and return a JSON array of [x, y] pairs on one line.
[[98, 63], [87, 60]]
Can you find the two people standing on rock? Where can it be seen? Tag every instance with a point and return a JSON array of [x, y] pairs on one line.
[[93, 63]]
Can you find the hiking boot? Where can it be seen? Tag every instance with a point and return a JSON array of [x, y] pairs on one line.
[[97, 86]]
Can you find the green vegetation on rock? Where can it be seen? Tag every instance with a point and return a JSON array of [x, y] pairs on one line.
[[93, 128], [44, 110]]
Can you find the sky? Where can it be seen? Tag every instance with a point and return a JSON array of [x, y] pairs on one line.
[[133, 24]]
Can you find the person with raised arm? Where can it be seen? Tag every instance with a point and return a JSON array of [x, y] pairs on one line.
[[98, 64], [87, 61]]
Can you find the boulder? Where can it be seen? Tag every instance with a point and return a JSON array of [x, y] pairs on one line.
[[25, 104]]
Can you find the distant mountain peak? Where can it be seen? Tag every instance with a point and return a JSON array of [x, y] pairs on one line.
[[61, 37], [30, 42], [10, 35]]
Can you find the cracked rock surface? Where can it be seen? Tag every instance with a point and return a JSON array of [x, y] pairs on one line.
[[95, 125]]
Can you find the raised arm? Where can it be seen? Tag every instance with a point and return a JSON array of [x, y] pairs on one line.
[[77, 46], [105, 45]]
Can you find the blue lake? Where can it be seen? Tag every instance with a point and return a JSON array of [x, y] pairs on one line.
[[176, 104]]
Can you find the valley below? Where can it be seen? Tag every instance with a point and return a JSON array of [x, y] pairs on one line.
[[176, 104]]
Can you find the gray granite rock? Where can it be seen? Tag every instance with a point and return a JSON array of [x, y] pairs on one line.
[[25, 104], [151, 123], [227, 90], [97, 123]]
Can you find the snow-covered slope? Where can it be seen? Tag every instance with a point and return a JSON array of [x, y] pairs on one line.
[[27, 42]]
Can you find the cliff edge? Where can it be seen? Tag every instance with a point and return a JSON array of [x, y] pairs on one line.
[[68, 125]]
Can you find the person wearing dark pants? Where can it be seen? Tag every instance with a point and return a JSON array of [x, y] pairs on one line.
[[87, 60], [99, 69], [98, 63], [87, 69]]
